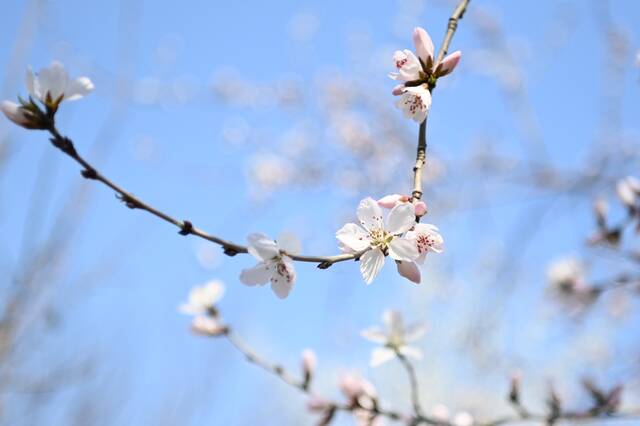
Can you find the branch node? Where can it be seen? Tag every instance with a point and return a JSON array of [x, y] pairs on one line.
[[325, 265], [230, 251], [128, 201], [186, 228], [89, 173]]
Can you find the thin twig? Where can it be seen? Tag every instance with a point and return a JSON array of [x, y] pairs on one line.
[[413, 381], [186, 227]]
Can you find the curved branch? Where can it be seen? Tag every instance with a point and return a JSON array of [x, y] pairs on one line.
[[186, 227]]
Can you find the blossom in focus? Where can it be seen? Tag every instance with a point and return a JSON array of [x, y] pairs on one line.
[[393, 338], [377, 238], [567, 275], [52, 85], [427, 239], [274, 264], [203, 299], [418, 75]]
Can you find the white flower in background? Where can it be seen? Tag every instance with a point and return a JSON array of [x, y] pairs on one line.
[[566, 274], [274, 265], [52, 85], [355, 388], [427, 239], [379, 238], [628, 190], [394, 338], [418, 75], [202, 299], [202, 304]]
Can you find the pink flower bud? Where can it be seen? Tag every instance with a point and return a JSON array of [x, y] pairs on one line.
[[421, 208], [390, 201], [398, 90], [424, 45], [448, 64], [315, 404], [309, 363], [409, 270]]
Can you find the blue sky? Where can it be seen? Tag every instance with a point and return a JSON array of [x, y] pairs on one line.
[[116, 291]]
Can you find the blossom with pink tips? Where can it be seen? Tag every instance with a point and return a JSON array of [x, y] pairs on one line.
[[392, 200], [418, 75]]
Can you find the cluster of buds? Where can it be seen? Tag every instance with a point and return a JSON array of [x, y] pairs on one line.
[[628, 193], [50, 87]]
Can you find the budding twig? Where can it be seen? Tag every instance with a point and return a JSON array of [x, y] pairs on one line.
[[421, 152]]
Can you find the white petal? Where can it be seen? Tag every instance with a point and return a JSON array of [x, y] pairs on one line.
[[403, 249], [261, 247], [381, 355], [283, 278], [370, 214], [409, 270], [53, 80], [370, 264], [410, 352], [393, 321], [189, 309], [289, 243], [14, 113], [259, 274], [78, 88], [401, 218], [352, 237], [29, 80], [375, 335]]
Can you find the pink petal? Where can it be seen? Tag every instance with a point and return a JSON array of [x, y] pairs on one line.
[[423, 43], [449, 63], [410, 271], [421, 208], [398, 90]]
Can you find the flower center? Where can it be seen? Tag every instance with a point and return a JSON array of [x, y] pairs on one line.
[[380, 238], [400, 63], [424, 242], [414, 103]]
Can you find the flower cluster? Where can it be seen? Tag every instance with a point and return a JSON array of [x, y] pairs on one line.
[[418, 75], [399, 236]]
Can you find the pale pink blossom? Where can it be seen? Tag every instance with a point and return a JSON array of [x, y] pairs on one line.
[[318, 404], [567, 275], [393, 338], [408, 66], [274, 265], [376, 238], [628, 190], [309, 362], [392, 200], [415, 102], [355, 388], [427, 239]]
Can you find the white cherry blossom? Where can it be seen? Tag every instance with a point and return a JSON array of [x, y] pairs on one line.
[[393, 338], [202, 299], [408, 66], [52, 85], [378, 239], [415, 102], [274, 265], [427, 239], [567, 274]]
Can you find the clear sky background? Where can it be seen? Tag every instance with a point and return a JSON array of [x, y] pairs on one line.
[[107, 313]]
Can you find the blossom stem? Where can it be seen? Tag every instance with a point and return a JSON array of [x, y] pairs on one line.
[[186, 227], [413, 381]]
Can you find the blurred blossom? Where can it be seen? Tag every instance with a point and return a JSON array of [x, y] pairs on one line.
[[236, 131], [462, 419], [303, 27], [441, 413], [270, 172], [202, 299], [628, 190], [207, 325], [355, 388], [567, 275], [394, 338], [274, 265]]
